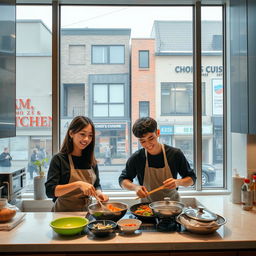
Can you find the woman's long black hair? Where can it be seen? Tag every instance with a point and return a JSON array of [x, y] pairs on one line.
[[77, 124]]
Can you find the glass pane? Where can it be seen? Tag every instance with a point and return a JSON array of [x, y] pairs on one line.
[[116, 93], [144, 58], [33, 89], [144, 108], [99, 54], [160, 32], [212, 91], [100, 93], [100, 110], [116, 54], [116, 110]]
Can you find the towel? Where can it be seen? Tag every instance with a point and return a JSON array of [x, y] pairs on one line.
[[194, 223], [18, 218]]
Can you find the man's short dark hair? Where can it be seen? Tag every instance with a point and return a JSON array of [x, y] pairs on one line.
[[143, 126]]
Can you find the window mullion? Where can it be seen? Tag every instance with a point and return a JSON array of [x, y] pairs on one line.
[[197, 93], [55, 77]]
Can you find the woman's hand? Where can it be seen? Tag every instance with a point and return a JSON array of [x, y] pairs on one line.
[[87, 188], [102, 197], [141, 191], [170, 183]]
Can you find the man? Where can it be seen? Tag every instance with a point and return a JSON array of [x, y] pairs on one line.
[[5, 158], [155, 165]]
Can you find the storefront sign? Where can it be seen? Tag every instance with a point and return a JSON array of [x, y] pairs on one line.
[[65, 123], [166, 130], [207, 69], [217, 97], [110, 126], [188, 129], [27, 115]]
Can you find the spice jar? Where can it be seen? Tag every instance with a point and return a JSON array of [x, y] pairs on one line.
[[7, 211]]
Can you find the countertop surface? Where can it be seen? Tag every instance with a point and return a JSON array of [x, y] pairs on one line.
[[34, 234]]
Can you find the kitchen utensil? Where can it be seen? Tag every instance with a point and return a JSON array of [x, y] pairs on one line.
[[200, 214], [152, 191], [69, 225], [129, 225], [166, 208], [104, 208], [199, 227], [92, 226], [147, 219], [99, 214]]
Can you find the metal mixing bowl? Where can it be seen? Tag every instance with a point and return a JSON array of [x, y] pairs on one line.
[[183, 219], [100, 214]]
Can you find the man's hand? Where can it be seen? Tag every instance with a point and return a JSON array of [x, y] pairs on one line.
[[141, 191], [170, 183]]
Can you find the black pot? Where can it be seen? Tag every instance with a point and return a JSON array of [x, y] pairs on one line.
[[147, 219]]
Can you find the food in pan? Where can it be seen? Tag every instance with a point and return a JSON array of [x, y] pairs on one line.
[[144, 210], [113, 208]]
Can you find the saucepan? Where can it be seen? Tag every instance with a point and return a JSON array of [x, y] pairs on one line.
[[166, 208]]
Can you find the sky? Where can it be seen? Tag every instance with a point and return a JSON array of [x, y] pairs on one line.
[[139, 19]]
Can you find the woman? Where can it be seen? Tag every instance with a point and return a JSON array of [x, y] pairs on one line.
[[73, 175]]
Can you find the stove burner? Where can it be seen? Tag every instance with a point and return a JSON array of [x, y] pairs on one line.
[[167, 224]]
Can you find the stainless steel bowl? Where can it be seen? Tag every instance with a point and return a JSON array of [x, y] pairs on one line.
[[99, 214], [165, 209], [201, 227]]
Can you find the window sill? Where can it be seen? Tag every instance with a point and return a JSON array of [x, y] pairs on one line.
[[29, 204]]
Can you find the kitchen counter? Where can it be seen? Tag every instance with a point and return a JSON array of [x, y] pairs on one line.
[[35, 235]]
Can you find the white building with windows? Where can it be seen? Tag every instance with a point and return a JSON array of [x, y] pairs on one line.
[[174, 86]]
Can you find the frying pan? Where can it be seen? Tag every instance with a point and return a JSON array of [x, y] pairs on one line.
[[147, 219]]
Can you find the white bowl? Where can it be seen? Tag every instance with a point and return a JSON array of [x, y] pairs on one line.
[[129, 225]]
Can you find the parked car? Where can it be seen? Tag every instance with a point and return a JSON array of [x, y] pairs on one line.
[[208, 173]]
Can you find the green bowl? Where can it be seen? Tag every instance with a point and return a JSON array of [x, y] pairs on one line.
[[69, 225]]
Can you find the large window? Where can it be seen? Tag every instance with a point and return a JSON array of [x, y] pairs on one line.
[[115, 72], [33, 90]]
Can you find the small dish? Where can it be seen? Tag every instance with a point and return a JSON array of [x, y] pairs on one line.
[[129, 225], [97, 227]]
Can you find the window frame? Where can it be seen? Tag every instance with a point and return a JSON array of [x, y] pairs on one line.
[[140, 106], [140, 59], [108, 103], [56, 72], [108, 49]]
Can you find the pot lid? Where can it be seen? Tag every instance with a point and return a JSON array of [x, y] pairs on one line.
[[200, 214]]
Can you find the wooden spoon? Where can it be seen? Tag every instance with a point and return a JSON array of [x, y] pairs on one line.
[[103, 207], [153, 191]]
